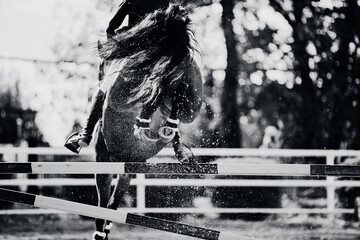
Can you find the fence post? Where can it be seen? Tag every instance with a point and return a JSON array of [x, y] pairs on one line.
[[22, 158], [330, 191], [140, 192]]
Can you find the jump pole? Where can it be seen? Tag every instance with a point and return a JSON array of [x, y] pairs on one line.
[[116, 216], [181, 169]]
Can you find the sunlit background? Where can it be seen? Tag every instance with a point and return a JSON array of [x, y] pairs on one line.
[[293, 68], [49, 62]]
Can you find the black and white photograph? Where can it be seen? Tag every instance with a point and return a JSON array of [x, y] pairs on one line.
[[179, 119]]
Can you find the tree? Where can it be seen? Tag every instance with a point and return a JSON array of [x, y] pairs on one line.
[[301, 35], [326, 50], [230, 132], [342, 91]]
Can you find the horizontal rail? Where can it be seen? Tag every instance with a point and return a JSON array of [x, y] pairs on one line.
[[116, 216], [184, 182], [195, 211], [227, 152], [331, 182], [184, 169]]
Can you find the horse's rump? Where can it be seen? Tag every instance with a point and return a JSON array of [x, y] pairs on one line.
[[119, 117], [149, 72], [118, 132]]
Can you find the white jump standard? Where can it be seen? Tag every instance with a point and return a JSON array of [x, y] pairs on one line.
[[181, 169], [116, 216]]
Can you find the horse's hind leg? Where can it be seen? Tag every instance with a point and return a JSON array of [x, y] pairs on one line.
[[122, 185], [103, 185]]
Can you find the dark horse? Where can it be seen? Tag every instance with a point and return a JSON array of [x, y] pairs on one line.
[[145, 65]]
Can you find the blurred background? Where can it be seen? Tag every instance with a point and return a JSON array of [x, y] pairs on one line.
[[281, 63], [277, 74]]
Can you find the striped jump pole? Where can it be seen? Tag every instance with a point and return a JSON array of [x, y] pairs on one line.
[[116, 216], [181, 169]]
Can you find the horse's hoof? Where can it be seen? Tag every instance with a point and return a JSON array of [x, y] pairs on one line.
[[169, 130], [167, 134], [185, 155], [99, 236], [146, 135]]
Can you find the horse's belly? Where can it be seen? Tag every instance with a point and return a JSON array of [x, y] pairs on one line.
[[119, 136]]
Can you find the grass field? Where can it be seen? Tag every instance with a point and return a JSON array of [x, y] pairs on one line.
[[73, 227]]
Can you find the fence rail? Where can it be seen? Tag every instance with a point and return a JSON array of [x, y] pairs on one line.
[[183, 182], [227, 169], [330, 182], [36, 211], [224, 152]]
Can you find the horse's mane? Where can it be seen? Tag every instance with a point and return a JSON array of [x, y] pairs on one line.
[[153, 50]]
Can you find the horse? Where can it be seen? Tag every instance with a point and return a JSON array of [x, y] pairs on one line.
[[147, 65]]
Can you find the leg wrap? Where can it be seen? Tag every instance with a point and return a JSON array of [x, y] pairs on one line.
[[142, 130], [168, 131], [142, 126]]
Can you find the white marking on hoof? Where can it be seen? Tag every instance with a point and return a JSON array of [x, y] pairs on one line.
[[100, 234], [108, 226]]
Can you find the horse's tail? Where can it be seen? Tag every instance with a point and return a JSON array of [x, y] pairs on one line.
[[155, 47]]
